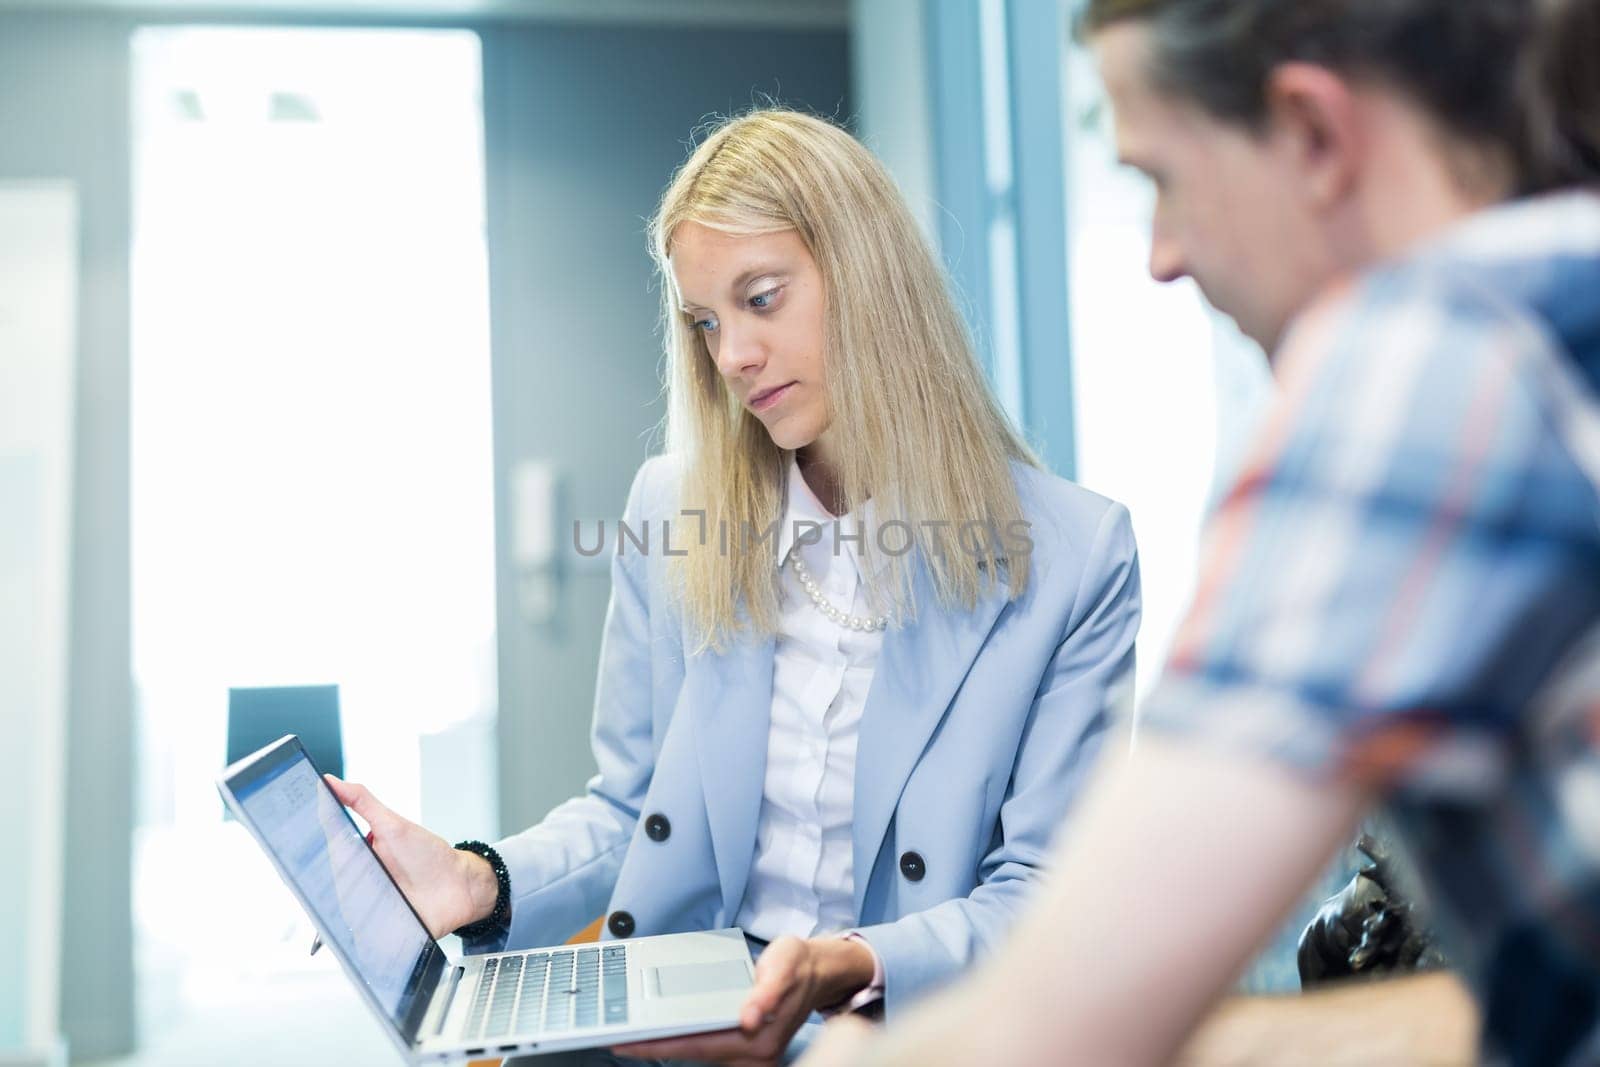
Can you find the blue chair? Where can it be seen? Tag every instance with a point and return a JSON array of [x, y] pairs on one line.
[[259, 716]]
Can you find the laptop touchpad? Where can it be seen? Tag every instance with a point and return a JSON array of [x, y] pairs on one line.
[[684, 979]]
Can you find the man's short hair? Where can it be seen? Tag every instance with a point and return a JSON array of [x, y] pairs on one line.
[[1515, 75]]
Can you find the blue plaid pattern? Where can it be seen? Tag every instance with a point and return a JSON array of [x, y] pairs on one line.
[[1404, 584]]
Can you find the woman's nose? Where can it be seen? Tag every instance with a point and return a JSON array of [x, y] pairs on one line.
[[740, 353]]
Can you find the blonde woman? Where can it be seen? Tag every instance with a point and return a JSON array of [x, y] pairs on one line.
[[859, 673]]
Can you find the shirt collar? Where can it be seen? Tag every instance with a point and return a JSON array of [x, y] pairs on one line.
[[800, 505]]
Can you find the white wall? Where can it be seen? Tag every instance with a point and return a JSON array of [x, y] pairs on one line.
[[38, 298]]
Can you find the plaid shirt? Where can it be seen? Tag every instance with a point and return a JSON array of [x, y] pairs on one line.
[[1404, 584]]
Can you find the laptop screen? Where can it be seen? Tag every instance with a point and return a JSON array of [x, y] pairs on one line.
[[356, 904]]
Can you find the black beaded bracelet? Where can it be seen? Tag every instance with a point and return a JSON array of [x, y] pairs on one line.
[[500, 918]]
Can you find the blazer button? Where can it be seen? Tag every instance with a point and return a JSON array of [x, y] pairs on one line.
[[912, 866], [657, 828], [621, 924]]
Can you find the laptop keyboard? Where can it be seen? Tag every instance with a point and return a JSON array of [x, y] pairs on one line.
[[551, 991]]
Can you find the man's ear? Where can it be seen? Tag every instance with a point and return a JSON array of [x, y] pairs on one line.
[[1312, 114]]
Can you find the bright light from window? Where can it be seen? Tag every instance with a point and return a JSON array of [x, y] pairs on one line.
[[312, 464]]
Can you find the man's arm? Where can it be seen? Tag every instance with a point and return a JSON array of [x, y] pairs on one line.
[[1181, 862], [1425, 1018]]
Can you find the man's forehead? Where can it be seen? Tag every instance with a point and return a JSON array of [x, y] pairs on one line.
[[1122, 52], [1148, 121]]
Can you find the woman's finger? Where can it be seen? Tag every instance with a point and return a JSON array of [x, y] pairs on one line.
[[359, 799], [773, 984]]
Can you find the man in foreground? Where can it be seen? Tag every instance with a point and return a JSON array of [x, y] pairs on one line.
[[1400, 598]]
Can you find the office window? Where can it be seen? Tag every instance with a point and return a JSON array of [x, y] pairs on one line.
[[312, 463]]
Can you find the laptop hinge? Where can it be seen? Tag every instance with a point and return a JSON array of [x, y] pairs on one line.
[[442, 1004]]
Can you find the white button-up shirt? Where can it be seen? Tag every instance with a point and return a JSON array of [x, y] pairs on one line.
[[802, 881]]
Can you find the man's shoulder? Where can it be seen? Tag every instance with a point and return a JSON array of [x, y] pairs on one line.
[[1524, 275], [1406, 329]]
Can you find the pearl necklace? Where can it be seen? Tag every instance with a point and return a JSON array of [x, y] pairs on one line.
[[859, 623]]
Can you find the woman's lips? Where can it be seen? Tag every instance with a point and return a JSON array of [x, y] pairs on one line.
[[767, 399]]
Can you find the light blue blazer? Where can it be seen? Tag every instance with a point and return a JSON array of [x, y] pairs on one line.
[[977, 735]]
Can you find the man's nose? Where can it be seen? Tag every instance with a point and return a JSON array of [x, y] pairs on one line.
[[1166, 260]]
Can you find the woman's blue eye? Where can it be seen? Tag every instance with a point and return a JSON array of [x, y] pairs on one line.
[[763, 300], [706, 325]]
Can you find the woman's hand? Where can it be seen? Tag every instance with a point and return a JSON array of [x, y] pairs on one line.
[[794, 977], [448, 888]]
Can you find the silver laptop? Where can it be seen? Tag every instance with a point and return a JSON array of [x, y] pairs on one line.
[[436, 1008]]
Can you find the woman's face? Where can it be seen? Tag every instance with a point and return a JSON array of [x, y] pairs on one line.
[[758, 302]]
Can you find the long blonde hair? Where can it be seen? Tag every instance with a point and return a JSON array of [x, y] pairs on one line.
[[917, 428]]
